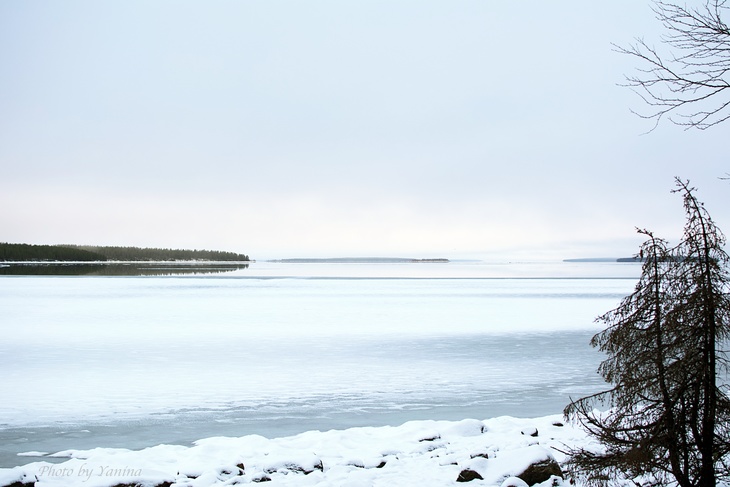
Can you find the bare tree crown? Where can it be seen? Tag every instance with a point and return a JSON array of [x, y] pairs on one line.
[[690, 86]]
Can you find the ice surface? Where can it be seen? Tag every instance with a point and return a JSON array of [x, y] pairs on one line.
[[133, 362]]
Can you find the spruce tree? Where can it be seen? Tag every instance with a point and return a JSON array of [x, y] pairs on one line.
[[668, 412]]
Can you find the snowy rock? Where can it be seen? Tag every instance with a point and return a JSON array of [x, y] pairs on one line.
[[533, 464], [465, 427], [163, 484], [355, 462], [468, 475], [21, 482], [301, 465], [541, 471], [514, 482], [531, 431]]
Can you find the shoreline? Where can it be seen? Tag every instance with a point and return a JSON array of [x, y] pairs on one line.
[[184, 428], [420, 452]]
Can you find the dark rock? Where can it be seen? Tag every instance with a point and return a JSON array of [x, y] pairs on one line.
[[558, 424], [20, 483], [382, 464], [306, 471], [191, 476], [228, 472], [480, 455], [540, 472], [292, 467], [431, 438], [263, 478], [468, 475], [241, 466], [529, 431]]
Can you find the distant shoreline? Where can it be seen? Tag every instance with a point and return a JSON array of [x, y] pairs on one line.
[[358, 260], [605, 259]]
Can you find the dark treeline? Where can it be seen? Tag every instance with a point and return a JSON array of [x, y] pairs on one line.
[[97, 269], [141, 254], [84, 253], [26, 252]]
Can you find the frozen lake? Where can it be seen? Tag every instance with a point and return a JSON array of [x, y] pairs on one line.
[[278, 348]]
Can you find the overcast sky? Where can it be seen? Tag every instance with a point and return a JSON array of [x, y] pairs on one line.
[[339, 128]]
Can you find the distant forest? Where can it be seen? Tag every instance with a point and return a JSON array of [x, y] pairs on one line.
[[26, 252], [86, 253]]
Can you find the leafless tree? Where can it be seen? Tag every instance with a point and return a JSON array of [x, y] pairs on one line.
[[691, 84]]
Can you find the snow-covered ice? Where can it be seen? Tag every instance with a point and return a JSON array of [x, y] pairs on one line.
[[124, 348]]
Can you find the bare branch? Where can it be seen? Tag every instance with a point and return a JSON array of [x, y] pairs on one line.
[[691, 85]]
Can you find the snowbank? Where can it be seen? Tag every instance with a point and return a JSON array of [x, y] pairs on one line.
[[417, 453]]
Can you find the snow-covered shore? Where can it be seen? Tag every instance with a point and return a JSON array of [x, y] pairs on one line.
[[417, 453]]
